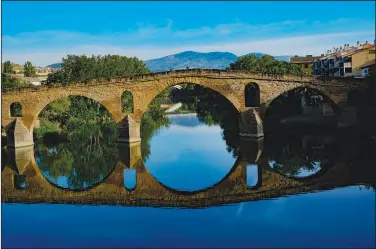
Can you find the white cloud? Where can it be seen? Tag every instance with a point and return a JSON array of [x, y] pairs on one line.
[[150, 41], [314, 44]]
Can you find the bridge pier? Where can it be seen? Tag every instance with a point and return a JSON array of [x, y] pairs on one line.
[[18, 135], [251, 149], [129, 130], [129, 154], [20, 158], [251, 123]]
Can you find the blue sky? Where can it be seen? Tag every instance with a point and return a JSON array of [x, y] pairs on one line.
[[47, 31]]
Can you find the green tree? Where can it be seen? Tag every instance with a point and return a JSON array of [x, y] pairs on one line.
[[8, 67], [8, 82], [265, 64], [82, 68], [29, 69]]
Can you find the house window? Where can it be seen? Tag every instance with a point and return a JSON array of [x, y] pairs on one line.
[[371, 51], [305, 65], [348, 70]]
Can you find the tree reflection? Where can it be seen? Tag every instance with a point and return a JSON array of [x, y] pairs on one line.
[[85, 158], [212, 109], [153, 119], [299, 155]]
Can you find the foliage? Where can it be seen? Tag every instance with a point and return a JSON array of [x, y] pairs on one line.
[[8, 82], [46, 127], [8, 67], [291, 158], [29, 69], [265, 64], [153, 120], [77, 68], [127, 102], [72, 113]]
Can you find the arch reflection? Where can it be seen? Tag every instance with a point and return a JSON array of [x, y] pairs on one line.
[[196, 146], [149, 192], [299, 155], [80, 162]]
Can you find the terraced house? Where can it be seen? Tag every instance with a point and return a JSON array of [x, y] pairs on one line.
[[305, 63], [346, 61]]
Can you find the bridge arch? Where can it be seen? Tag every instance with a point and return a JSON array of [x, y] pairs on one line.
[[320, 91], [44, 103], [223, 90]]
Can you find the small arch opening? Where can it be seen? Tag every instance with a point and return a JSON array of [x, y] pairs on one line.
[[20, 182], [16, 109], [127, 102], [130, 179], [252, 95]]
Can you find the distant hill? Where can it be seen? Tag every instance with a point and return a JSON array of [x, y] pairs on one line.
[[192, 59], [214, 60], [55, 65], [16, 67]]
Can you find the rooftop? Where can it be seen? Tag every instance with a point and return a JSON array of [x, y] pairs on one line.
[[301, 59]]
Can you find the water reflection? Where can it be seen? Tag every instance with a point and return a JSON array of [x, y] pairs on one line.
[[252, 175], [84, 159], [130, 179], [189, 155], [300, 155]]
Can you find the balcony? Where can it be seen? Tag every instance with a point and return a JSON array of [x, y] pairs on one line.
[[336, 64]]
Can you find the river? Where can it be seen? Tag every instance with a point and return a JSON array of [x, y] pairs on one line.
[[190, 157]]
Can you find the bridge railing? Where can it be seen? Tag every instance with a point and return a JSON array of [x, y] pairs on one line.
[[197, 72]]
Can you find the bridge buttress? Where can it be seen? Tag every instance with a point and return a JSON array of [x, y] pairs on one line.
[[18, 135], [251, 123]]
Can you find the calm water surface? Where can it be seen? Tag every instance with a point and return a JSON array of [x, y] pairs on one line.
[[190, 155]]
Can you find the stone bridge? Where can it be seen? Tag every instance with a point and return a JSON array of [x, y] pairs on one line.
[[149, 192], [144, 88]]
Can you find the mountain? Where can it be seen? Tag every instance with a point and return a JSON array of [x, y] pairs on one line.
[[55, 65], [191, 59], [214, 60]]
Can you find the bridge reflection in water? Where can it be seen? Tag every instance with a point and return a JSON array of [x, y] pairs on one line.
[[23, 181]]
